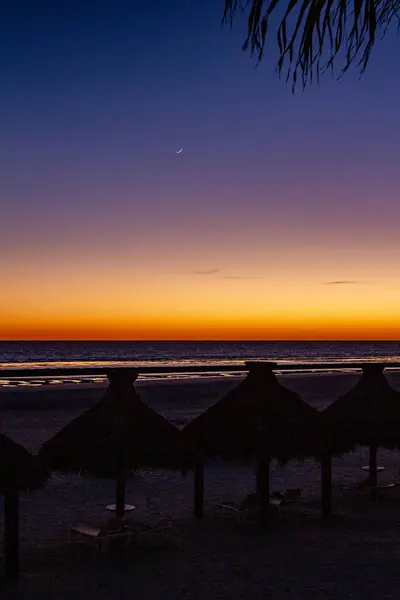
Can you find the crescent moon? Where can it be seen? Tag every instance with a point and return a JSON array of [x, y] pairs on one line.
[[179, 151]]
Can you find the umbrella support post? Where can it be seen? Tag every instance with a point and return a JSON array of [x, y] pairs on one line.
[[11, 537], [326, 485], [258, 481], [120, 497], [199, 490], [373, 450], [263, 484]]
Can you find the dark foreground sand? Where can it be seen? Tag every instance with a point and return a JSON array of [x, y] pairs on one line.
[[355, 555]]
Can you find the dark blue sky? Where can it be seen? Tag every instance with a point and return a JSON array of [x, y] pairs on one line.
[[96, 97]]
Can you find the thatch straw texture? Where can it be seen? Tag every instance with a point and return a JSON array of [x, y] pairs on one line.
[[117, 434], [367, 415], [259, 418], [19, 470]]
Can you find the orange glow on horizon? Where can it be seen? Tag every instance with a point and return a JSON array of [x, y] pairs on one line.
[[376, 335], [299, 293], [281, 309], [314, 331]]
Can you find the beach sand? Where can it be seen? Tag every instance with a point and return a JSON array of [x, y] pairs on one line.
[[353, 555]]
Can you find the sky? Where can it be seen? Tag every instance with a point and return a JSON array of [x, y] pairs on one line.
[[278, 220]]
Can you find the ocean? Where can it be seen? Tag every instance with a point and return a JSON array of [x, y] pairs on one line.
[[80, 354], [49, 355]]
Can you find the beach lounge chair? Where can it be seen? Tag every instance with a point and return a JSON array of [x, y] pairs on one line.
[[388, 486], [289, 498], [247, 510], [102, 536]]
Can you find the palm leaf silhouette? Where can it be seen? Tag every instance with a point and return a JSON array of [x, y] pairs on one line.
[[313, 35]]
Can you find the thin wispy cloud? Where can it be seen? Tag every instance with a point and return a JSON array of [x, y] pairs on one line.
[[206, 271], [219, 274], [200, 272], [343, 282], [238, 277]]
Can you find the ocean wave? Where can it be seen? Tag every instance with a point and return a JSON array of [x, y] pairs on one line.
[[36, 364]]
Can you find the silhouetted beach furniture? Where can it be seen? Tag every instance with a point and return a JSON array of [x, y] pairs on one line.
[[119, 433], [290, 497], [388, 486], [249, 508], [122, 532], [256, 422], [101, 537], [368, 484], [19, 472], [367, 415]]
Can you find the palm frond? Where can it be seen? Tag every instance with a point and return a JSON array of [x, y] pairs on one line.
[[313, 34]]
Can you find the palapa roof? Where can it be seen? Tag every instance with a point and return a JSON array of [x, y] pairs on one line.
[[20, 471], [368, 414], [118, 433], [259, 416]]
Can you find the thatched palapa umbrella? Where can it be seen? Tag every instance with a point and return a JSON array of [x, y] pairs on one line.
[[118, 434], [257, 421], [367, 415], [19, 472]]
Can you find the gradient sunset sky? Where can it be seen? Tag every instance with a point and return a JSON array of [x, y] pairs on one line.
[[280, 219]]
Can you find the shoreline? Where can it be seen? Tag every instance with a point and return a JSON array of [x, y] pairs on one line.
[[319, 389], [193, 379], [57, 377]]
